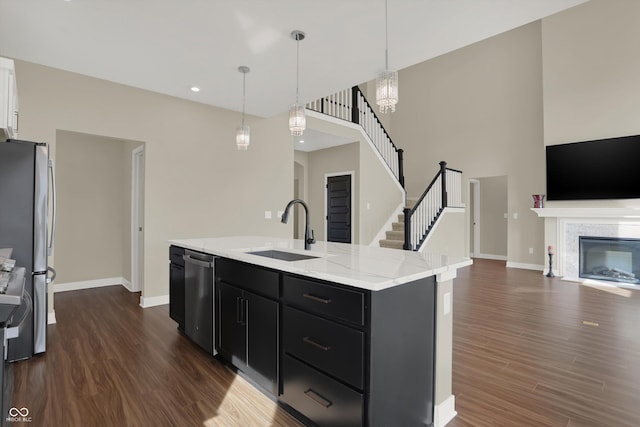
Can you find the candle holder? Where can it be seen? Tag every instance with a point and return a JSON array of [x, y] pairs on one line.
[[550, 273]]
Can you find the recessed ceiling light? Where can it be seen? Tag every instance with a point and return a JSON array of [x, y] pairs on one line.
[[195, 89], [301, 141]]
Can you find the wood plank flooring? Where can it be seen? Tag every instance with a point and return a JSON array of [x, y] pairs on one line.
[[527, 350]]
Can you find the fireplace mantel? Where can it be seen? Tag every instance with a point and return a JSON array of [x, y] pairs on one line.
[[622, 213], [564, 225]]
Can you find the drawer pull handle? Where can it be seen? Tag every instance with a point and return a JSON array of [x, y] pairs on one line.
[[317, 398], [317, 299], [308, 340]]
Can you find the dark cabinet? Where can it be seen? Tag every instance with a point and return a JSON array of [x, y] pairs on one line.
[[248, 322], [354, 357], [176, 285]]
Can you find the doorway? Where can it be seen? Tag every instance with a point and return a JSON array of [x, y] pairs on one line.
[[488, 219], [137, 219], [338, 207], [474, 218]]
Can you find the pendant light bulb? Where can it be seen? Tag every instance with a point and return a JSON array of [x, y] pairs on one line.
[[243, 133], [297, 120]]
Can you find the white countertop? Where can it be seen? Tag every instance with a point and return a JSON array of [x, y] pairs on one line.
[[365, 267]]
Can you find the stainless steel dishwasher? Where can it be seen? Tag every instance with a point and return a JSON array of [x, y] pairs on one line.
[[199, 299]]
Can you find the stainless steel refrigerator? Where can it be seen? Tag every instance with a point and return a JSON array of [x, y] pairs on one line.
[[25, 169]]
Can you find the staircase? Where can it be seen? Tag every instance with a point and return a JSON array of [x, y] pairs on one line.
[[395, 236], [420, 215]]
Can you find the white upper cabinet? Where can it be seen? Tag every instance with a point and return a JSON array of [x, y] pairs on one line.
[[8, 100]]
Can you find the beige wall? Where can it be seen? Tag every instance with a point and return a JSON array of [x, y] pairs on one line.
[[380, 194], [93, 179], [590, 75], [448, 236], [197, 183], [493, 224], [480, 109], [343, 158]]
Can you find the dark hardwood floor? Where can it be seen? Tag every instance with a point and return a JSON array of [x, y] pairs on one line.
[[527, 350]]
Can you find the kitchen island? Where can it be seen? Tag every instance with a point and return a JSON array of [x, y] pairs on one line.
[[338, 335]]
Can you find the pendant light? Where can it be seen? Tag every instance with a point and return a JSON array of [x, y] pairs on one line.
[[387, 81], [243, 134], [297, 121]]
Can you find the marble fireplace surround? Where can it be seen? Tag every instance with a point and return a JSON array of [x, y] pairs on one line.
[[563, 226]]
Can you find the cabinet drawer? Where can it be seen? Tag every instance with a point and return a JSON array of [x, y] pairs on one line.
[[323, 400], [248, 277], [330, 347], [175, 255], [324, 299]]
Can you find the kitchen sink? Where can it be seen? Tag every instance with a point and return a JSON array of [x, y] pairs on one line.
[[282, 255]]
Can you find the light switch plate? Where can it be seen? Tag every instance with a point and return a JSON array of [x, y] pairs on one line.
[[267, 214]]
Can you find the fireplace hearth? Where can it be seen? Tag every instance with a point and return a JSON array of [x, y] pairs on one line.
[[610, 258]]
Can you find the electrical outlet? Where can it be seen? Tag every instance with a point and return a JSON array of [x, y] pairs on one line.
[[280, 213], [515, 215], [506, 215], [531, 250], [267, 214]]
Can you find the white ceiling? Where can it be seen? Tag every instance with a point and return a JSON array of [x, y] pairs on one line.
[[167, 46], [314, 139]]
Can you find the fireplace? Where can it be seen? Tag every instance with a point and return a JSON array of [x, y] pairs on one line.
[[610, 258]]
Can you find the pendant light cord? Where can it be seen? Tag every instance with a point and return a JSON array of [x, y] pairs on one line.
[[244, 80], [386, 36], [298, 67]]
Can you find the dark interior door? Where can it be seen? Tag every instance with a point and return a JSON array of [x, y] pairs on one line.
[[339, 209]]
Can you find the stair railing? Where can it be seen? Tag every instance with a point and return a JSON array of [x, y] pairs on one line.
[[351, 105], [444, 190]]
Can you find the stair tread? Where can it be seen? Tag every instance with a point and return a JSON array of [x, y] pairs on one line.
[[395, 235], [394, 244]]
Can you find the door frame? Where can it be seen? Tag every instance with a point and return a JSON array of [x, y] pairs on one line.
[[326, 210], [475, 213], [137, 203]]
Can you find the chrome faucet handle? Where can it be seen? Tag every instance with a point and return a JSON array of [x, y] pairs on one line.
[[312, 239]]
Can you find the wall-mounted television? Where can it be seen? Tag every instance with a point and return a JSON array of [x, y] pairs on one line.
[[591, 170]]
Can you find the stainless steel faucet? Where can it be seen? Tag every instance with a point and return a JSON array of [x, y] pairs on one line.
[[309, 238]]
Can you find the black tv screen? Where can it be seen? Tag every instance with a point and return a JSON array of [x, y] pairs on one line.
[[590, 170]]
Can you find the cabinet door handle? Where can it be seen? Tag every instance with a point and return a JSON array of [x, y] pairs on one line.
[[316, 299], [245, 311], [317, 398], [308, 340]]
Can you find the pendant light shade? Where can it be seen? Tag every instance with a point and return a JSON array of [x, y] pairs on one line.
[[387, 81], [243, 133], [297, 120], [243, 137]]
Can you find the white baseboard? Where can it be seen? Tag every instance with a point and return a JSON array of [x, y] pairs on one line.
[[146, 302], [444, 412], [525, 266], [51, 317], [88, 284], [491, 256]]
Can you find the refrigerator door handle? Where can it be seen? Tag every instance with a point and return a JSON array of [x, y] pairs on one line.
[[53, 274], [39, 313], [53, 210]]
